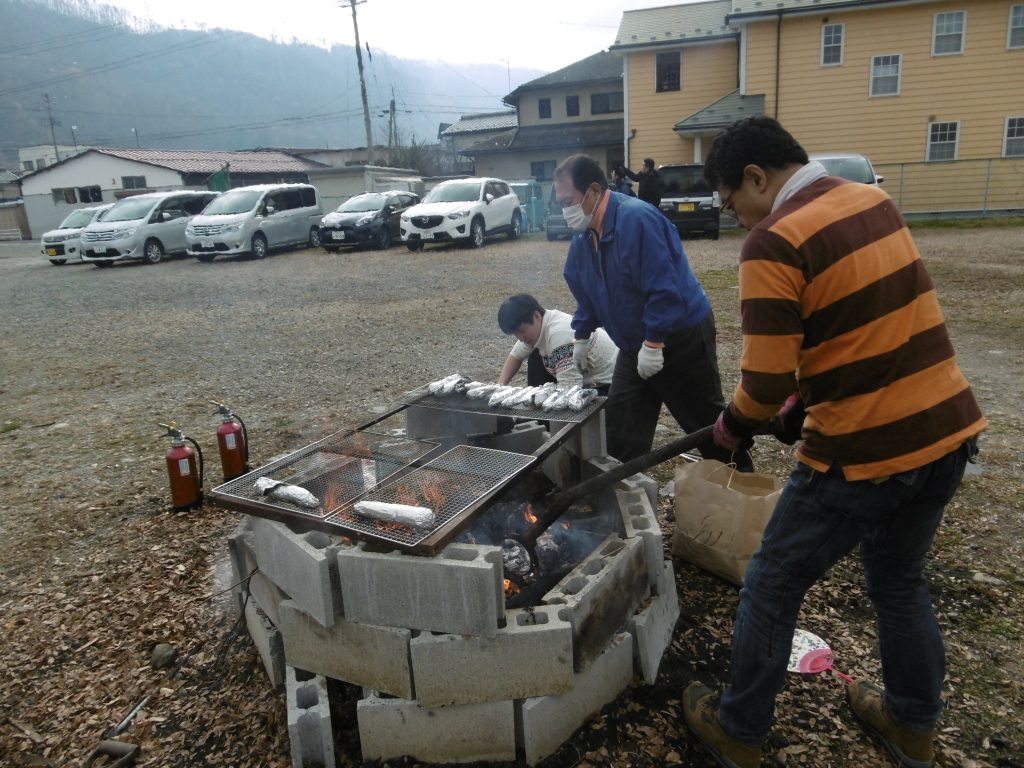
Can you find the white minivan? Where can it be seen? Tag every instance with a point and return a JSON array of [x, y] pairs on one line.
[[64, 242], [256, 220], [143, 227]]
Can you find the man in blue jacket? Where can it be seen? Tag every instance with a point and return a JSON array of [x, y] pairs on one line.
[[628, 272]]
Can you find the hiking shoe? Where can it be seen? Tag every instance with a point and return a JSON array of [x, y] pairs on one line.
[[701, 713], [911, 748]]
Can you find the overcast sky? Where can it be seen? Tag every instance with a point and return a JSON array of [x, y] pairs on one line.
[[540, 34]]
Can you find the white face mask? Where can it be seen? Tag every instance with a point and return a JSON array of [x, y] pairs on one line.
[[575, 217]]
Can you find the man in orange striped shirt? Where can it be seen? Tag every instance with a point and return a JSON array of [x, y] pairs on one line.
[[842, 328]]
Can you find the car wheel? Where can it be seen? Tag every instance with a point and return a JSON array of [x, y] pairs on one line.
[[552, 237], [58, 262], [384, 239], [259, 246], [153, 252], [314, 237], [476, 233], [516, 228], [414, 245], [206, 258], [713, 234]]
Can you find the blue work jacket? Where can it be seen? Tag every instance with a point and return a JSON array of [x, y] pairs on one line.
[[638, 284]]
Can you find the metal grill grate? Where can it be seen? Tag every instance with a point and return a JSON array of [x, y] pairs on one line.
[[335, 469], [449, 485], [460, 402]]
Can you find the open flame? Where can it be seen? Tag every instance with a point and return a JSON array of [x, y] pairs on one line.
[[511, 588], [528, 514]]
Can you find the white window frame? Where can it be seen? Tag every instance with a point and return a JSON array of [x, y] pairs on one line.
[[1006, 135], [899, 76], [956, 142], [842, 45], [963, 33], [1019, 8]]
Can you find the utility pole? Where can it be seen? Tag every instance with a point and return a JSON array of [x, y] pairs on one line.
[[362, 80], [53, 133]]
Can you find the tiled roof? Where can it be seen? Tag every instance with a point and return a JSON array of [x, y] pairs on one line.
[[599, 67], [563, 136], [674, 25], [749, 9], [201, 161], [721, 113], [490, 121], [7, 177]]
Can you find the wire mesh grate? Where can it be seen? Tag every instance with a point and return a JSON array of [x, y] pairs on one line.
[[448, 485], [461, 402]]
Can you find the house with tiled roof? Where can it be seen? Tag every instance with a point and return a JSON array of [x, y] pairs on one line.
[[923, 87], [105, 174], [577, 108], [489, 128]]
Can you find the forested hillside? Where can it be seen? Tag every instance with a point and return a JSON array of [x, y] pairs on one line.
[[106, 74]]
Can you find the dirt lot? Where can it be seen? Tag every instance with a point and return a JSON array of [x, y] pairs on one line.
[[95, 570]]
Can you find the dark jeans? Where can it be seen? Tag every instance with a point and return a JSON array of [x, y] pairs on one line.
[[819, 518], [688, 385]]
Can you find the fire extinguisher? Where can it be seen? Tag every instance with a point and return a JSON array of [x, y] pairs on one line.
[[233, 441], [186, 480]]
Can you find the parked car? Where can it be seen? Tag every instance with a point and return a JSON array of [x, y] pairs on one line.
[[463, 209], [849, 165], [143, 227], [64, 243], [555, 224], [372, 218], [256, 220], [688, 201]]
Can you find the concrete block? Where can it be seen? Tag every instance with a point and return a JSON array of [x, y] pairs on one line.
[[544, 723], [425, 423], [242, 554], [267, 640], [362, 654], [391, 728], [460, 590], [590, 440], [600, 594], [268, 595], [303, 565], [524, 438], [596, 465], [653, 627], [309, 719], [530, 656], [639, 520]]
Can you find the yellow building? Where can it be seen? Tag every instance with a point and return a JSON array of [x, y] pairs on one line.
[[930, 91]]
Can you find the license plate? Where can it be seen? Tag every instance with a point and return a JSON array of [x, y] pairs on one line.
[[206, 243], [684, 207], [337, 235], [427, 236], [51, 251], [99, 249]]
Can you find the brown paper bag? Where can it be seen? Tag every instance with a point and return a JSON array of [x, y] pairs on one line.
[[720, 516]]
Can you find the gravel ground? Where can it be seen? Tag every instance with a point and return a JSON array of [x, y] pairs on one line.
[[94, 569]]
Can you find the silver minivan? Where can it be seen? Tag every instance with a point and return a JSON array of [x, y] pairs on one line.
[[143, 227], [256, 220]]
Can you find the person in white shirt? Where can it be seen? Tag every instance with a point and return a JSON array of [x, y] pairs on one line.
[[545, 340]]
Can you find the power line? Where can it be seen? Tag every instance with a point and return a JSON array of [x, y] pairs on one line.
[[84, 33]]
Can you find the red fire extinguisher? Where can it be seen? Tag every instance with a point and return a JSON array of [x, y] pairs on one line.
[[233, 441], [186, 477]]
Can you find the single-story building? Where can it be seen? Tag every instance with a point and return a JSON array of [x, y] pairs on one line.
[[336, 185]]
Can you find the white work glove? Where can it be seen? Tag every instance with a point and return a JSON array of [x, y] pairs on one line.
[[649, 361], [580, 347]]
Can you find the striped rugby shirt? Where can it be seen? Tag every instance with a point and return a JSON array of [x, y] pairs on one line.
[[836, 302]]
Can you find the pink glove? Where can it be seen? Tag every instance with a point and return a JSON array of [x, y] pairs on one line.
[[723, 437]]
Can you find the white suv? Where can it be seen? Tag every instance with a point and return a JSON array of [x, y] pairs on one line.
[[463, 209]]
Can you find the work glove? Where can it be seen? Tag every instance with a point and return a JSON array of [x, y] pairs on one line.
[[788, 424], [730, 434], [580, 348], [650, 360]]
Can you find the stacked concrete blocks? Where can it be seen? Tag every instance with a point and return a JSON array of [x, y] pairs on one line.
[[267, 640], [242, 551], [652, 628], [640, 521], [309, 720]]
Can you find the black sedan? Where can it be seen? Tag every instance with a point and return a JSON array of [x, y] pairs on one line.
[[369, 219]]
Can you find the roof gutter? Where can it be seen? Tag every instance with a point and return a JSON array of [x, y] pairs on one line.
[[818, 9], [673, 43]]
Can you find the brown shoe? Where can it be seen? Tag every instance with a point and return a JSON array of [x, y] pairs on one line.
[[911, 748], [701, 714]]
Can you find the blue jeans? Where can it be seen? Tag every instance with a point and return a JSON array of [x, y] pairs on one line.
[[820, 517]]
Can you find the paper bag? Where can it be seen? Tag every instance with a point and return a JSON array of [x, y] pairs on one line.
[[720, 516]]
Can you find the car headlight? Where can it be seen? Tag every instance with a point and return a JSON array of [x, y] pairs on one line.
[[404, 217], [232, 227], [364, 220], [458, 215], [190, 230], [123, 233]]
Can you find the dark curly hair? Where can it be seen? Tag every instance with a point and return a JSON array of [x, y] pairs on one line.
[[753, 140], [583, 171]]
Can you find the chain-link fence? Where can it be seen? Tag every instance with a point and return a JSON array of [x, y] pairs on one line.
[[988, 187]]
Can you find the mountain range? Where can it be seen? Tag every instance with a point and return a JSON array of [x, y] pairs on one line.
[[119, 82]]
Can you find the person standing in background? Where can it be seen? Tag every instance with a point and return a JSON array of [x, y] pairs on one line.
[[649, 181]]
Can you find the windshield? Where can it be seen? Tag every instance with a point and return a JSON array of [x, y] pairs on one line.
[[852, 168], [78, 219], [684, 182], [236, 201], [454, 193], [130, 209], [363, 203]]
